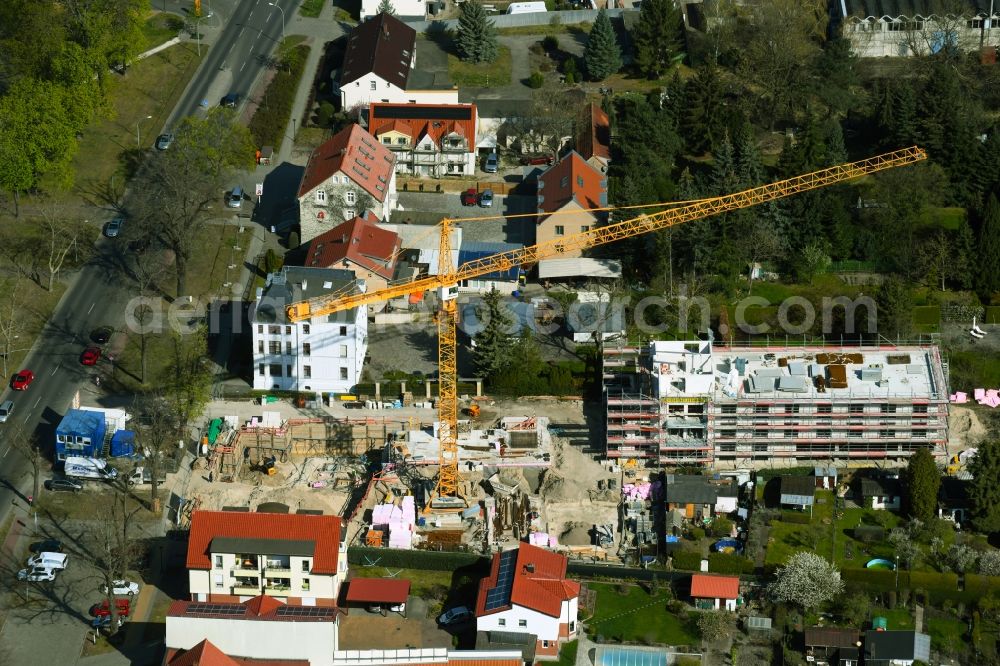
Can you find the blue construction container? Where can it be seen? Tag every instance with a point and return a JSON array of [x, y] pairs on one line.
[[80, 433], [123, 444]]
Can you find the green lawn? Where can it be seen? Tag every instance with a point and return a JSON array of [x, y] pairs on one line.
[[927, 318], [948, 634], [971, 369], [567, 655], [160, 28], [637, 616], [311, 8], [949, 219], [440, 589], [481, 75], [898, 618]]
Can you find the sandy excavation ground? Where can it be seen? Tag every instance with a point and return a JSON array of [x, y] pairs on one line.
[[965, 429]]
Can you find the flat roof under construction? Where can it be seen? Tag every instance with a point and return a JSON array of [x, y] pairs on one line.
[[513, 445]]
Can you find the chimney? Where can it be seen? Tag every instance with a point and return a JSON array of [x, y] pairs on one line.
[[385, 31], [529, 568]]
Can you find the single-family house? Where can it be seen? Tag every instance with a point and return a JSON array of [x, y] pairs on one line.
[[833, 646], [323, 353], [234, 556], [431, 140], [347, 176], [692, 494], [379, 66], [826, 476], [896, 648], [953, 499], [883, 492], [593, 137], [360, 246], [527, 592], [798, 492], [715, 592], [917, 27], [566, 193]]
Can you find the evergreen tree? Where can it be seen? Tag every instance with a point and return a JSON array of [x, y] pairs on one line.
[[703, 124], [748, 164], [988, 250], [836, 151], [984, 489], [492, 353], [675, 102], [657, 37], [964, 246], [894, 308], [603, 56], [385, 7], [923, 480], [477, 35]]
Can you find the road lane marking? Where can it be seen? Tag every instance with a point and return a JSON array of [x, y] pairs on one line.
[[244, 64], [36, 403], [91, 307], [54, 370], [5, 453], [240, 33]]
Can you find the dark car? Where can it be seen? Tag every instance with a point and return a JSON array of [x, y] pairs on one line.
[[114, 227], [536, 159], [46, 546], [68, 485], [163, 141], [470, 197], [231, 100], [101, 335], [22, 380]]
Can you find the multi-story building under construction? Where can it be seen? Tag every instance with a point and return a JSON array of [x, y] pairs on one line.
[[685, 402]]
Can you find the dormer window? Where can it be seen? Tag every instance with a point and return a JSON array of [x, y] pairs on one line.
[[321, 197]]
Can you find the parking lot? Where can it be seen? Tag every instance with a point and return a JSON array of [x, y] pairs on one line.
[[362, 630], [421, 207]]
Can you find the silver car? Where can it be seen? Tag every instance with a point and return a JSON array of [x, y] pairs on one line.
[[114, 227], [5, 409]]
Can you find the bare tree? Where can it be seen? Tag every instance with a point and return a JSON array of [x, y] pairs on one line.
[[113, 545], [159, 431], [940, 32], [59, 236], [546, 124], [13, 323], [29, 445], [147, 267], [761, 241]]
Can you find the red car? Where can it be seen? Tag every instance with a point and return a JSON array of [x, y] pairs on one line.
[[103, 609], [470, 197], [22, 380], [90, 356], [536, 159]]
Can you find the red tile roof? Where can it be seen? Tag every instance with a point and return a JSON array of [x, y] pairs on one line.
[[206, 654], [207, 525], [539, 582], [356, 154], [359, 241], [418, 120], [382, 45], [378, 590], [714, 587], [571, 179], [593, 138]]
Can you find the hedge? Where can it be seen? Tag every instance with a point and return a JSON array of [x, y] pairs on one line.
[[982, 586], [271, 118], [689, 560], [938, 586], [727, 563], [413, 559]]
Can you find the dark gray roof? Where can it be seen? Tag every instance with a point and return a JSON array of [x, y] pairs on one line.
[[832, 636], [884, 646], [879, 487], [300, 283], [510, 640], [383, 45], [690, 489], [908, 8], [241, 546], [798, 485], [954, 493]]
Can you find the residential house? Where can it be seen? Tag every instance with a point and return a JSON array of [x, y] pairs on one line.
[[798, 492], [692, 494], [431, 140], [349, 175], [504, 281], [896, 648], [234, 556], [833, 646], [953, 499], [876, 28], [414, 10], [826, 476], [883, 492], [566, 191], [361, 247], [715, 592], [323, 353], [379, 66], [261, 628], [527, 592], [593, 137]]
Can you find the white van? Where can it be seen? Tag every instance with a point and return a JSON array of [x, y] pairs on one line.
[[526, 7], [48, 561]]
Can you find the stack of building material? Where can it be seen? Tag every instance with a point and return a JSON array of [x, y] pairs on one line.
[[402, 524], [543, 540]]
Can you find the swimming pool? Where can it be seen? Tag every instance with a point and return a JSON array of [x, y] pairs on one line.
[[879, 563], [727, 546], [630, 656]]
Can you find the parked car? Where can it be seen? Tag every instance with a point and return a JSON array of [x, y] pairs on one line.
[[114, 227], [36, 574], [5, 409], [101, 335], [536, 159], [63, 484], [22, 380], [48, 560], [235, 197], [103, 609], [122, 588], [104, 621], [486, 198], [492, 163], [455, 615], [46, 546], [90, 356], [163, 141], [231, 100], [470, 197]]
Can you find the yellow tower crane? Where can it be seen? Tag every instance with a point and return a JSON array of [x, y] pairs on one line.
[[449, 276]]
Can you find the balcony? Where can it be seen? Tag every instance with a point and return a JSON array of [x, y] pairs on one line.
[[277, 590], [456, 148], [246, 590], [425, 158], [245, 570]]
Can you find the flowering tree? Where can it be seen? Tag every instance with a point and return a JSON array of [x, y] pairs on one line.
[[989, 563], [806, 580]]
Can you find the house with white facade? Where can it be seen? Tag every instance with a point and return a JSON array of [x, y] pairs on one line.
[[527, 592], [877, 28], [262, 628], [234, 556], [321, 354], [428, 139], [715, 592], [346, 177], [379, 67], [414, 10]]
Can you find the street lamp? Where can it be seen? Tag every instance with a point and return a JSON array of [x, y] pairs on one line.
[[282, 19], [137, 123]]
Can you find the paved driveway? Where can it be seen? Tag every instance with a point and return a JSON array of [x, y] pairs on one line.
[[429, 208]]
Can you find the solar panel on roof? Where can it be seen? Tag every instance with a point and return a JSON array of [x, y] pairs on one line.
[[499, 596], [304, 611], [216, 609]]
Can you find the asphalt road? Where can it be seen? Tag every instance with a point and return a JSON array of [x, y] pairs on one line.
[[238, 55]]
